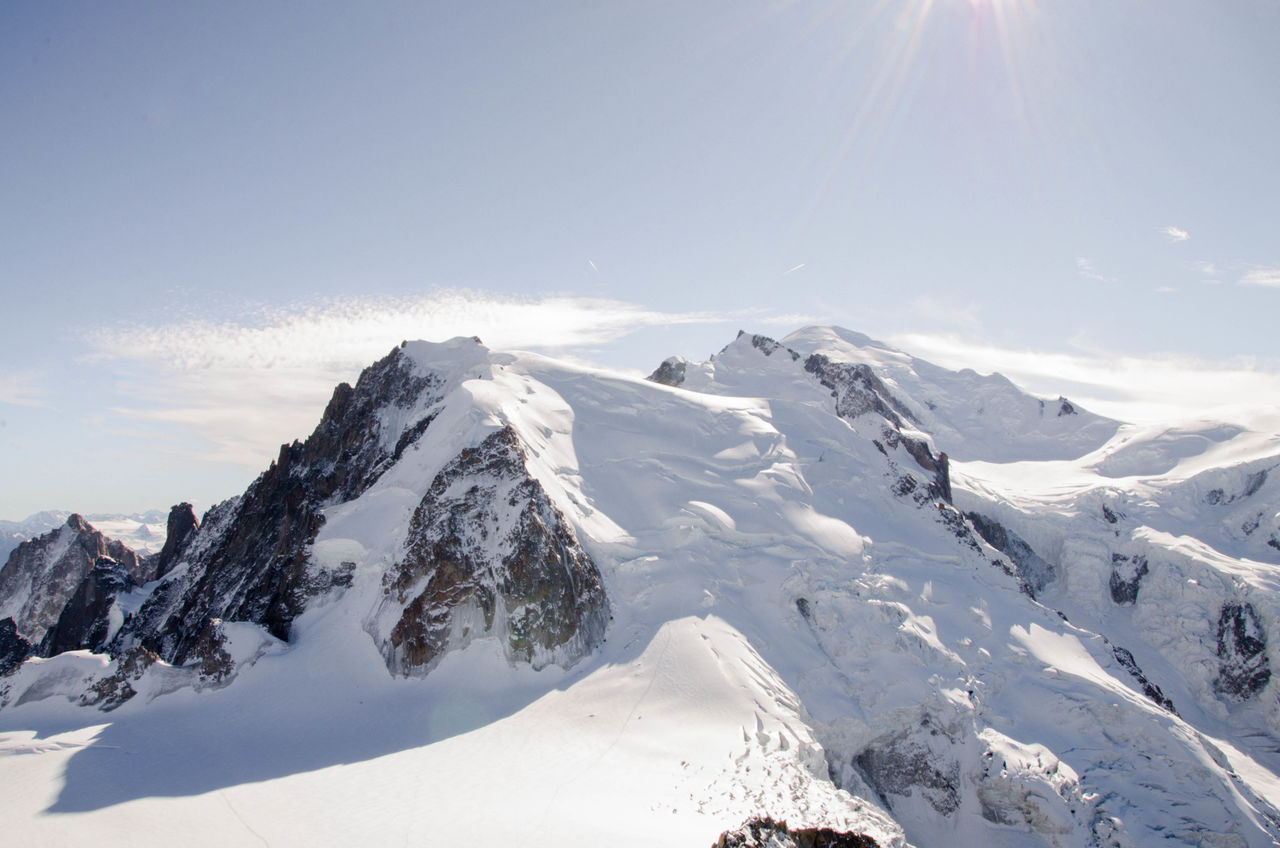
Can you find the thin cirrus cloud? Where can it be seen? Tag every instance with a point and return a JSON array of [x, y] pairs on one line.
[[1086, 269], [1175, 234], [1266, 277], [234, 391], [21, 388], [1138, 389]]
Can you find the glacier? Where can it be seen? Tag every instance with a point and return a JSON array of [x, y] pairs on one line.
[[814, 579]]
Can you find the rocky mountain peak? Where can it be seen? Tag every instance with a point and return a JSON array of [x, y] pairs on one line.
[[42, 574], [488, 554]]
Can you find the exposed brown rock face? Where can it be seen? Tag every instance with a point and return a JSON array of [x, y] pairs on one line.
[[43, 574], [488, 552], [111, 691], [764, 832]]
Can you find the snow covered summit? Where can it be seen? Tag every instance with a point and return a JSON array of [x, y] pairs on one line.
[[814, 579]]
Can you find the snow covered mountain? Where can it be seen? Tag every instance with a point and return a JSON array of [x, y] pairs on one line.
[[496, 597], [142, 532]]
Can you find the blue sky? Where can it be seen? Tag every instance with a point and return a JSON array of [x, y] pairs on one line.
[[213, 212]]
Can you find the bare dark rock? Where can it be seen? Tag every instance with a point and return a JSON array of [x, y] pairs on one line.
[[85, 622], [14, 650], [1149, 689], [1243, 667], [181, 526], [1110, 516], [211, 653], [903, 764], [769, 347], [670, 372], [857, 390], [1033, 570], [1254, 482], [1065, 407], [1252, 485], [1126, 578], [764, 832], [488, 551], [938, 466], [111, 691]]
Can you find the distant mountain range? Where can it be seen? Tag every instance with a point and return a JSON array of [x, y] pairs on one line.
[[812, 591], [142, 531]]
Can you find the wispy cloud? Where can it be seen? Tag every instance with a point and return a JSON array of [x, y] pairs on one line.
[[21, 388], [1268, 277], [1157, 388], [793, 269], [234, 391], [1175, 234], [1086, 269]]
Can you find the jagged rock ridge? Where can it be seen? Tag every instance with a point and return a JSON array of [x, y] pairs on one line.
[[44, 573], [250, 564]]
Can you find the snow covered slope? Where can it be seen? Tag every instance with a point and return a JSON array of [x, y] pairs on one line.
[[817, 580]]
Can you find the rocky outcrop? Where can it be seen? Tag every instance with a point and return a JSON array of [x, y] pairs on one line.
[[13, 648], [670, 372], [1243, 667], [252, 565], [764, 832], [857, 390], [86, 621], [1126, 578], [44, 573], [1151, 690], [939, 467], [488, 553], [180, 529], [108, 692], [912, 761], [1032, 570], [1253, 482]]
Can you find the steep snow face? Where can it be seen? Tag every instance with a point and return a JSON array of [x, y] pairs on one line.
[[812, 615]]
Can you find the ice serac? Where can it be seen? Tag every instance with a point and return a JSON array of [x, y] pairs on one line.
[[42, 574], [487, 553]]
